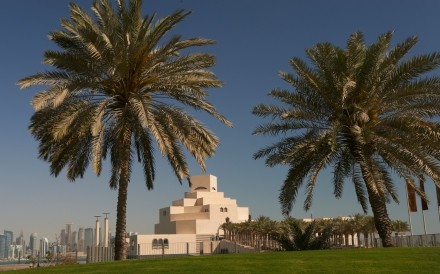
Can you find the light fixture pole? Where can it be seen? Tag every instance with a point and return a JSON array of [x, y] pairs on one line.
[[106, 229], [97, 230]]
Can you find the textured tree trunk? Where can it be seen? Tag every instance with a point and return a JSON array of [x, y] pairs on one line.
[[120, 250], [378, 204], [377, 200], [120, 243], [381, 218]]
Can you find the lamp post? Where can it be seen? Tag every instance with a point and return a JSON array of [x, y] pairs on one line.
[[106, 229], [97, 230]]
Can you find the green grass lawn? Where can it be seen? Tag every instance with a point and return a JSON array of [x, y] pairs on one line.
[[391, 260]]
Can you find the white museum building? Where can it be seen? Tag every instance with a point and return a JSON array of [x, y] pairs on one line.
[[191, 224]]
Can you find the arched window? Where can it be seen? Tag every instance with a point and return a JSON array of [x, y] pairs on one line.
[[226, 209], [160, 242], [165, 243], [221, 209], [155, 243]]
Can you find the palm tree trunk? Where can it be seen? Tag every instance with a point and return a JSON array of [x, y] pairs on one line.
[[120, 250], [367, 243], [120, 236], [381, 218], [376, 199]]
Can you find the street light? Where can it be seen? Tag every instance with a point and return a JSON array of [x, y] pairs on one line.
[[97, 230], [106, 229]]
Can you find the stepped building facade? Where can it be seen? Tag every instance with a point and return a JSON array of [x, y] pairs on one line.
[[201, 211], [191, 221]]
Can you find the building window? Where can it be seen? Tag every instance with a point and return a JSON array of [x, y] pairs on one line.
[[226, 209], [221, 209], [155, 243], [165, 243]]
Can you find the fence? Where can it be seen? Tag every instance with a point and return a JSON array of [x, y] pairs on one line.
[[99, 254], [413, 241], [149, 250]]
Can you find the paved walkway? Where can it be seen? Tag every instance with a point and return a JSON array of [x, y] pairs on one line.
[[5, 267]]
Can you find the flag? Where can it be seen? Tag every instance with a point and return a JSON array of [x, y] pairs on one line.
[[438, 195], [412, 205], [424, 203]]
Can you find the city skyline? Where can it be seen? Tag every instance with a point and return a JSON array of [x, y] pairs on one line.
[[68, 240], [254, 41]]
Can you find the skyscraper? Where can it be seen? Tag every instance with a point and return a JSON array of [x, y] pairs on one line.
[[88, 238], [33, 244], [21, 245], [74, 241], [2, 246], [20, 239], [68, 236], [81, 239], [9, 236], [63, 237], [44, 246]]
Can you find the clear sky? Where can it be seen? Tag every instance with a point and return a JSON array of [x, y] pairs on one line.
[[255, 39]]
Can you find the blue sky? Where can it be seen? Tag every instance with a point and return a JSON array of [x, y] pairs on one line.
[[255, 39]]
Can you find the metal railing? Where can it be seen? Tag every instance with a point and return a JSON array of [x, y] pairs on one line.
[[413, 240], [149, 250]]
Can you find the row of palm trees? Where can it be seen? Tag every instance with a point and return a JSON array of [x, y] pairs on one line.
[[266, 233]]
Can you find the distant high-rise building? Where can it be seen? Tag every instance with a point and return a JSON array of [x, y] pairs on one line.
[[21, 246], [9, 239], [88, 238], [63, 237], [44, 246], [33, 244], [3, 252], [74, 241], [20, 239], [68, 236], [81, 239]]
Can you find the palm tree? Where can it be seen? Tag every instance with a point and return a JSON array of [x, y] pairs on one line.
[[358, 223], [116, 88], [369, 230], [303, 236], [400, 226], [357, 111]]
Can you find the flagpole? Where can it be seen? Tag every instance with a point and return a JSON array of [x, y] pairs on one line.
[[439, 214], [437, 190], [423, 201], [424, 222], [409, 213]]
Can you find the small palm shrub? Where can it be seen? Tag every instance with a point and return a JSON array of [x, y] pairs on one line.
[[298, 237]]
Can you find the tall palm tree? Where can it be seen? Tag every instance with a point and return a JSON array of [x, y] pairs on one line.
[[117, 87], [361, 111]]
